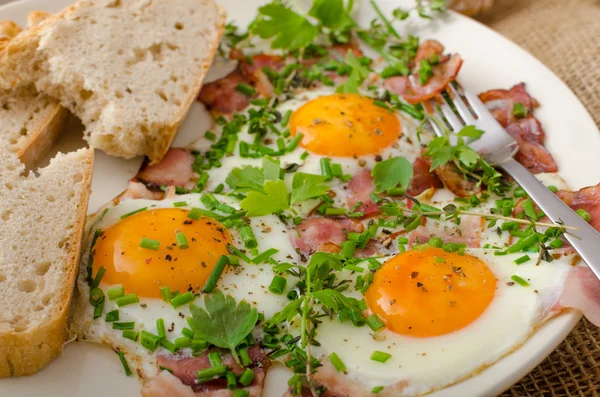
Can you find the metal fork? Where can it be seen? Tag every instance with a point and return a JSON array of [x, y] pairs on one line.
[[498, 148]]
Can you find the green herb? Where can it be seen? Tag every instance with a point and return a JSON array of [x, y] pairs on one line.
[[124, 362], [288, 29], [278, 285], [271, 168], [390, 173], [247, 377], [374, 322], [182, 299], [215, 275], [246, 179], [112, 316], [149, 244], [522, 259], [127, 300], [519, 110], [182, 240], [337, 362], [274, 199], [519, 281], [133, 212], [358, 74], [245, 89], [224, 323], [307, 186], [380, 356]]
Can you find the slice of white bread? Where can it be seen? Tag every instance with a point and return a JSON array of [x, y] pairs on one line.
[[30, 121], [41, 223], [129, 69]]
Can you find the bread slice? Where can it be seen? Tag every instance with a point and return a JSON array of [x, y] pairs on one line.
[[41, 223], [130, 69], [30, 121]]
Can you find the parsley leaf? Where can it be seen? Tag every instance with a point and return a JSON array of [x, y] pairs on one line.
[[223, 323], [332, 14], [306, 186], [246, 179], [470, 131], [357, 76], [289, 30], [271, 168], [390, 173], [274, 199]]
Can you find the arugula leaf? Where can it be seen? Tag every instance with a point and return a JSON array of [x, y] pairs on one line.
[[306, 186], [357, 76], [223, 323], [274, 199], [246, 179], [391, 173], [271, 168], [289, 30]]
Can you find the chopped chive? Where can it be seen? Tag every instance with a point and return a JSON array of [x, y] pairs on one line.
[[374, 322], [160, 328], [402, 240], [519, 192], [211, 283], [149, 341], [234, 251], [182, 240], [182, 342], [553, 188], [584, 214], [215, 359], [188, 332], [286, 118], [294, 142], [112, 316], [435, 242], [523, 244], [199, 345], [348, 248], [115, 291], [209, 201], [131, 334], [245, 89], [170, 346], [335, 211], [182, 299], [210, 373], [519, 281], [336, 170], [125, 325], [127, 215], [304, 155], [519, 110], [241, 393], [96, 296], [337, 362], [376, 389], [522, 259], [380, 356], [248, 237], [278, 285], [201, 183], [98, 309], [124, 362], [127, 300], [326, 168], [412, 225], [245, 357], [247, 377], [231, 380], [180, 204], [359, 214], [507, 207], [556, 243], [98, 277], [354, 268], [219, 188], [211, 136], [195, 213], [165, 292], [264, 256], [233, 260], [149, 244], [528, 209], [396, 191]]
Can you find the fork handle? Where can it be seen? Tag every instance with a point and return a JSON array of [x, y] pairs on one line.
[[585, 240]]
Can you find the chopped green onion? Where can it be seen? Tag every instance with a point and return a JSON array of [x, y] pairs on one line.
[[211, 136], [507, 207], [241, 393], [96, 296], [170, 346], [294, 142], [234, 251], [523, 244], [522, 259], [187, 332], [519, 110], [376, 389], [202, 181], [165, 292], [124, 362], [199, 345], [337, 362], [396, 191], [556, 243], [195, 213], [584, 214], [131, 334], [149, 341], [380, 356], [182, 299], [182, 241], [183, 342], [326, 168], [245, 89], [210, 373], [180, 204], [247, 377], [519, 281], [304, 155], [336, 170], [264, 256], [245, 356], [231, 380], [248, 237], [528, 209], [335, 211], [127, 300], [215, 359], [286, 118], [98, 278], [278, 285], [435, 242], [127, 215], [112, 316], [209, 201], [354, 268], [211, 283], [219, 188], [149, 244], [98, 309], [348, 248], [553, 188], [519, 192], [374, 322], [115, 291], [160, 328]]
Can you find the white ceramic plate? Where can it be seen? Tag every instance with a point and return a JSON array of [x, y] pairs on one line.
[[491, 61]]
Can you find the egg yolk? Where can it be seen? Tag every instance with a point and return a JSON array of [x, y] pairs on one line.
[[430, 292], [345, 125], [143, 270]]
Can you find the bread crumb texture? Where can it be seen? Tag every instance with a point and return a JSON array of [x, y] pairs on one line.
[[41, 223]]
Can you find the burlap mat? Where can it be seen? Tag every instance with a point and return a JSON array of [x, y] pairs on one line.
[[564, 35]]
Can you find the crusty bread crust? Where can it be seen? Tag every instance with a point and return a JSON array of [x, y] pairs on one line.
[[25, 353]]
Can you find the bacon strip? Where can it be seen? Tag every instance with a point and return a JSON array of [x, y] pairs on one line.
[[422, 179], [318, 234], [137, 190], [468, 232], [588, 199], [175, 169], [185, 369], [581, 291], [360, 187], [501, 103], [443, 73], [532, 154], [455, 181]]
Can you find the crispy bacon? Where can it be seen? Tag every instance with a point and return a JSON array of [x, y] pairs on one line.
[[422, 179], [468, 232], [360, 188], [444, 72], [455, 181], [166, 385], [588, 199], [502, 103], [532, 154], [318, 234], [185, 368], [175, 169], [581, 291], [138, 190]]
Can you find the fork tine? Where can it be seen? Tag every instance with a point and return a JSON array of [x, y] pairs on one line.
[[480, 110], [461, 107], [436, 128], [450, 116]]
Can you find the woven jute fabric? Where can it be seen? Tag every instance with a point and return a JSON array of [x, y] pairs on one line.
[[565, 36]]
